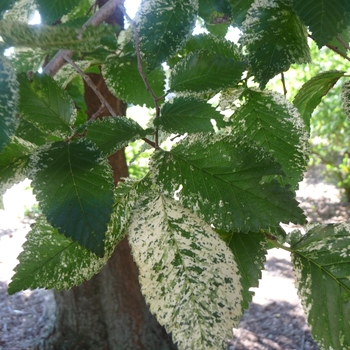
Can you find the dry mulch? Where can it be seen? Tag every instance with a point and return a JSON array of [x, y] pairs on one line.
[[274, 321]]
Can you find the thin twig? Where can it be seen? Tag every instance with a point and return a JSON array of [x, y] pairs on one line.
[[58, 60], [92, 86], [284, 84], [98, 112], [153, 144], [142, 73], [346, 45], [333, 48]]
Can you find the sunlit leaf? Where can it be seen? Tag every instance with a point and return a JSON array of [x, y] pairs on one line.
[[222, 179], [164, 27], [321, 262], [311, 93], [274, 38], [46, 105], [275, 124], [9, 96], [51, 11], [188, 115], [187, 273]]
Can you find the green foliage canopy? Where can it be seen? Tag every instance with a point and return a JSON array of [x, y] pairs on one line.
[[199, 222]]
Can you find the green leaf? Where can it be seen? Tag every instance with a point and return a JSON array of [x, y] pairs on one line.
[[46, 105], [111, 134], [14, 163], [164, 28], [239, 10], [274, 38], [204, 71], [28, 132], [250, 252], [321, 262], [216, 15], [21, 10], [187, 273], [222, 179], [50, 260], [123, 79], [8, 102], [6, 5], [219, 46], [189, 115], [311, 93], [73, 184], [345, 94], [19, 34], [341, 41], [51, 11], [325, 18], [275, 124]]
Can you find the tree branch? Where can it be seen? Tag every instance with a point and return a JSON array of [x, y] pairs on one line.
[[284, 84], [333, 48], [92, 86], [59, 60]]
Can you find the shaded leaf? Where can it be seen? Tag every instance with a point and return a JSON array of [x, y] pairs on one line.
[[250, 252], [164, 27], [73, 184], [188, 115], [123, 79], [311, 93], [275, 124], [345, 94], [219, 46], [222, 179], [187, 273], [204, 71], [274, 38], [51, 260], [321, 263], [111, 134], [19, 34], [51, 11], [239, 10], [325, 18], [46, 105], [8, 102], [14, 163]]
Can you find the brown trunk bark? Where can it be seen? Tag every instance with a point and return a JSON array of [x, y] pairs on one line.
[[109, 311]]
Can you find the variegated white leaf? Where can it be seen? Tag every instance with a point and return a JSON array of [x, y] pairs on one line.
[[188, 275]]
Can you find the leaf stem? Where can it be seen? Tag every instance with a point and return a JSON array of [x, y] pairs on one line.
[[333, 48], [274, 242], [142, 73], [284, 84], [58, 60], [93, 87]]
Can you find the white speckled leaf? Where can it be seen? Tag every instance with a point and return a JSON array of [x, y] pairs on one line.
[[73, 183], [9, 96], [111, 134], [46, 105], [51, 260], [14, 163], [321, 263], [224, 180], [345, 95], [274, 38], [275, 124], [164, 27], [19, 34], [188, 115], [187, 273]]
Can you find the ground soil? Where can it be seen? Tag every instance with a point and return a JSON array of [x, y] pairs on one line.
[[275, 319]]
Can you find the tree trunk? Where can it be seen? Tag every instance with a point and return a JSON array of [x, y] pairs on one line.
[[109, 311]]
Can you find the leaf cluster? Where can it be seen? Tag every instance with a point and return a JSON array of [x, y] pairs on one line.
[[200, 221]]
